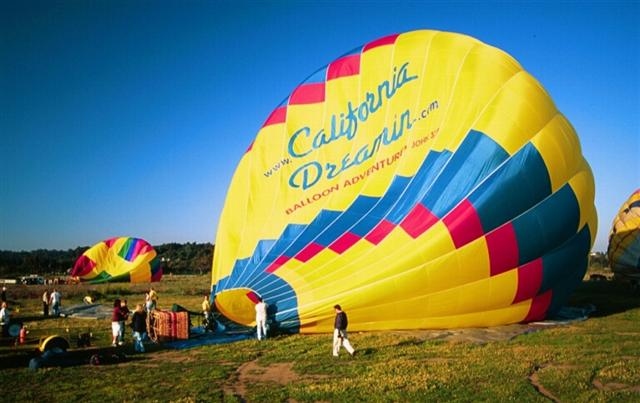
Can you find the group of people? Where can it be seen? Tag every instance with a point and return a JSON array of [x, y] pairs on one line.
[[51, 300], [120, 315]]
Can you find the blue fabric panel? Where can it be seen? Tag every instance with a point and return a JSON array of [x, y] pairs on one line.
[[322, 220], [235, 273], [262, 250], [359, 208], [130, 244], [375, 214], [420, 184], [516, 186], [548, 224], [272, 288], [291, 232], [471, 163], [564, 268]]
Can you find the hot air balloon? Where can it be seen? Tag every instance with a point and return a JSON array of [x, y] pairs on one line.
[[121, 259], [624, 240], [423, 180]]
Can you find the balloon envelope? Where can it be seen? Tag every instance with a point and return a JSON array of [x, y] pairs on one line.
[[121, 259], [624, 239], [423, 180]]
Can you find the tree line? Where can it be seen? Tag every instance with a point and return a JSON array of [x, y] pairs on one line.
[[187, 258], [177, 258]]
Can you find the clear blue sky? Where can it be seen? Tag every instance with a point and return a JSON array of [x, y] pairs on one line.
[[129, 117]]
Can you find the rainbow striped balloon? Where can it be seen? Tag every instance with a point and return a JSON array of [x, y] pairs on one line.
[[121, 259], [624, 239], [423, 180]]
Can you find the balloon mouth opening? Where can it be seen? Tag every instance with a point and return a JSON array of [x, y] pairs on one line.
[[238, 305]]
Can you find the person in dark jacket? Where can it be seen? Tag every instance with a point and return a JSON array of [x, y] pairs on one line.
[[340, 337], [139, 324]]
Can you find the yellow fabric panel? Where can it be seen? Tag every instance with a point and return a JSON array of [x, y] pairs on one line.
[[583, 187], [516, 113], [417, 279], [235, 305], [141, 275], [552, 142], [230, 225], [422, 317]]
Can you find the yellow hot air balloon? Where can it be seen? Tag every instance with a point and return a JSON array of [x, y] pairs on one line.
[[624, 240], [122, 259], [424, 180]]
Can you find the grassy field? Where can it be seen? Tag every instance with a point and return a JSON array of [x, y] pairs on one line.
[[593, 360]]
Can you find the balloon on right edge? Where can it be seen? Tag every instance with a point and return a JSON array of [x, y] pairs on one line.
[[624, 239]]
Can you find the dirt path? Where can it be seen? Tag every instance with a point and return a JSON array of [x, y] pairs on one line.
[[251, 373]]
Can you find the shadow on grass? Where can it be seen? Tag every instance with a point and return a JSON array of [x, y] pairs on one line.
[[99, 356], [609, 297]]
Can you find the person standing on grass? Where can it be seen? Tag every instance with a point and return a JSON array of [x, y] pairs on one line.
[[116, 317], [261, 319], [55, 301], [139, 324], [124, 315], [153, 299], [5, 318], [45, 303], [340, 338], [206, 312]]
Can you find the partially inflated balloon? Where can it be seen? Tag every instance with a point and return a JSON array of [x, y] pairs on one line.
[[624, 239], [119, 260], [424, 180]]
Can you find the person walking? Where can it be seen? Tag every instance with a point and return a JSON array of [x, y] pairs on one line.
[[340, 338], [261, 319]]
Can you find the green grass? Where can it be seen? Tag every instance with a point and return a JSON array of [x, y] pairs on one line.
[[593, 360]]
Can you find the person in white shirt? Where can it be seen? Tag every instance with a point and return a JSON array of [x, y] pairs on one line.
[[55, 301], [261, 319], [5, 318]]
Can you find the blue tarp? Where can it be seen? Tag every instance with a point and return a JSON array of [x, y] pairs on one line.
[[198, 337]]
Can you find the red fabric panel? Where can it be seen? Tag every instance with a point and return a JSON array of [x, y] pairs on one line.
[[539, 307], [418, 221], [253, 297], [309, 251], [343, 67], [277, 263], [344, 242], [529, 280], [503, 249], [380, 232], [279, 115], [464, 224], [307, 94], [387, 40]]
